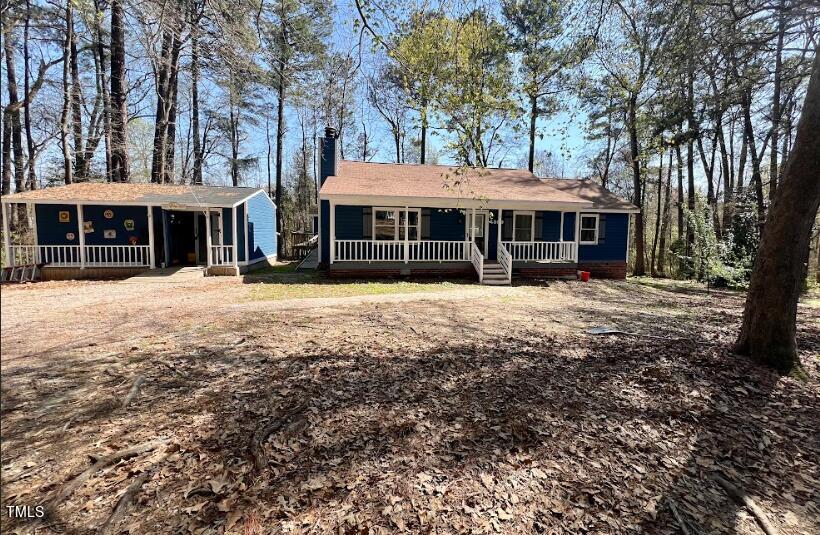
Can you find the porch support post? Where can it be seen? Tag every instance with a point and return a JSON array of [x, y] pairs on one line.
[[561, 238], [577, 235], [6, 236], [332, 231], [406, 235], [245, 211], [235, 237], [151, 260], [208, 237], [81, 230], [33, 208]]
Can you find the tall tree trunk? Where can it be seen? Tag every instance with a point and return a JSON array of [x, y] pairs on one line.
[[76, 102], [778, 67], [100, 48], [657, 216], [12, 112], [119, 91], [661, 270], [741, 165], [6, 186], [533, 122], [757, 181], [690, 154], [639, 268], [197, 179], [68, 89], [280, 141], [728, 187], [680, 191], [31, 182], [423, 158], [171, 126], [768, 332]]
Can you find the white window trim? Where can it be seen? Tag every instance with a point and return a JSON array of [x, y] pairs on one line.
[[581, 228], [396, 209], [531, 213]]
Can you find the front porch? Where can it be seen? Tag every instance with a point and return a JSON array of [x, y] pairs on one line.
[[64, 240], [491, 244]]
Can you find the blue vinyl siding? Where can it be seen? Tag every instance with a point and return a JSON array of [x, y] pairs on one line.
[[324, 234], [612, 238], [227, 226], [49, 229], [261, 227], [240, 238], [569, 226], [446, 224], [139, 214], [349, 221], [550, 226], [51, 232]]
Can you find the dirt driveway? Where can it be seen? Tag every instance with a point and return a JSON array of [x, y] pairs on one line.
[[452, 408]]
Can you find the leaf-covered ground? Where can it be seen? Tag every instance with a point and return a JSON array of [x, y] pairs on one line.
[[464, 410]]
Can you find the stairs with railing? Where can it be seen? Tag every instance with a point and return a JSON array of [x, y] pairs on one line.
[[494, 275]]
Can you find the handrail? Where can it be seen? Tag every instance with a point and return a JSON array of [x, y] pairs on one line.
[[70, 255], [478, 261], [221, 255], [505, 259], [394, 251], [541, 251]]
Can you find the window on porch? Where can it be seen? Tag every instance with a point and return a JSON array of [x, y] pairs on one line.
[[389, 224], [523, 226]]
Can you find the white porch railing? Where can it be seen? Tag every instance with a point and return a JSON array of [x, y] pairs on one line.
[[439, 251], [394, 251], [478, 261], [505, 259], [117, 255], [69, 255], [542, 251], [221, 255]]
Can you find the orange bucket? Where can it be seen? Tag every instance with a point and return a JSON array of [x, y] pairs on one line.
[[584, 276]]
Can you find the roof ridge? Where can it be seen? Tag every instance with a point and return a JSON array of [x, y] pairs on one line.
[[450, 166]]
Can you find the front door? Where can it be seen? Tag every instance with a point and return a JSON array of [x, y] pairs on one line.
[[479, 230]]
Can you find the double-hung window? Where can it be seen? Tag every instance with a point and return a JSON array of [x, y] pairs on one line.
[[589, 229], [523, 226], [389, 223]]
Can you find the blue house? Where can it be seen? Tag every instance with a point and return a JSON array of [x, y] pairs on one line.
[[407, 219], [88, 230]]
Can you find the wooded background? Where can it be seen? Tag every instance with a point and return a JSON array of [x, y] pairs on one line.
[[686, 107]]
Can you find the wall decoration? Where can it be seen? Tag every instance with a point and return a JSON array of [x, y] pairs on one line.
[[129, 224], [108, 214], [109, 234], [69, 236], [133, 240], [88, 227], [65, 216]]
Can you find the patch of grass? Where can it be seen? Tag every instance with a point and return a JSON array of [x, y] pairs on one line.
[[319, 288]]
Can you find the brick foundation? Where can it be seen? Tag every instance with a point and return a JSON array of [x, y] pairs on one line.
[[545, 272], [386, 273], [604, 270]]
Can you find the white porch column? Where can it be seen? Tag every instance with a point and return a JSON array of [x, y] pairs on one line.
[[81, 229], [151, 260], [406, 235], [34, 233], [235, 237], [332, 232], [208, 237], [6, 237], [577, 234], [245, 211]]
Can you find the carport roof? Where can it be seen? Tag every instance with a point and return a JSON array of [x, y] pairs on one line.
[[137, 194]]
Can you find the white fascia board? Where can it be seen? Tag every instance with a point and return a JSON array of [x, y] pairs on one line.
[[254, 194], [164, 205], [442, 202]]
